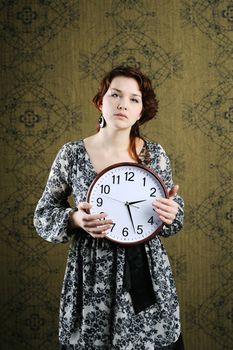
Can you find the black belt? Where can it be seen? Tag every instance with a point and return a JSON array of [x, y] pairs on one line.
[[137, 278]]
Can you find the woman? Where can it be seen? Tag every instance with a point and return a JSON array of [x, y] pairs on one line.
[[112, 297]]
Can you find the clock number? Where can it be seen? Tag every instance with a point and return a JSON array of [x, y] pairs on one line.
[[153, 190], [125, 231], [139, 229], [113, 225], [105, 189], [116, 179], [129, 176], [144, 181], [151, 220], [99, 202]]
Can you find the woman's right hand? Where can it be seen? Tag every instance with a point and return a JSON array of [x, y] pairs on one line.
[[95, 225]]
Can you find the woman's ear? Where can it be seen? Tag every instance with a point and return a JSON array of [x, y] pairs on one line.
[[100, 106]]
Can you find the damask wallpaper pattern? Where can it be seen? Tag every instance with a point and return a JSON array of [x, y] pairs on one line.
[[53, 54]]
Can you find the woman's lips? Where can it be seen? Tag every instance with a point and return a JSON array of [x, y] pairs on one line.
[[120, 115]]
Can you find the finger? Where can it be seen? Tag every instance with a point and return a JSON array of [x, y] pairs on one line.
[[100, 216], [99, 235], [97, 223], [164, 200], [98, 229], [173, 191], [166, 204], [166, 220], [166, 215]]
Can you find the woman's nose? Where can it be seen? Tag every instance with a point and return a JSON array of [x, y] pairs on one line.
[[122, 105]]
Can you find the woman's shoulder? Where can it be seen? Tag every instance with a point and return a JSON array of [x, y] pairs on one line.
[[70, 150], [72, 146], [154, 146]]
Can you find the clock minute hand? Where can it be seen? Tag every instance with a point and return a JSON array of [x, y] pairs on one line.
[[130, 215], [135, 202]]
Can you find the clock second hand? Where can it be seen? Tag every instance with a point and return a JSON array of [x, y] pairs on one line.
[[117, 200]]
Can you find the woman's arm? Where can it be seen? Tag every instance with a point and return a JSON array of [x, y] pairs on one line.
[[175, 204], [53, 210], [54, 219]]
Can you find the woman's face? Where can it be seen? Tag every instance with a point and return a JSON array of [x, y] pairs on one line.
[[122, 103]]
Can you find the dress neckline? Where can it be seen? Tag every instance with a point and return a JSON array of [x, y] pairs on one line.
[[88, 159]]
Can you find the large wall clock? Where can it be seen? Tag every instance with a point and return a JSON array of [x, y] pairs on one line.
[[125, 191]]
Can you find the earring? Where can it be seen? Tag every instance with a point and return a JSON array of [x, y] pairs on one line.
[[102, 121]]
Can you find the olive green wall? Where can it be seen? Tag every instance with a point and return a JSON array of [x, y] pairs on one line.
[[53, 53]]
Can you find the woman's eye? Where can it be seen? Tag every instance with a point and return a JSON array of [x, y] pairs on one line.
[[134, 100], [114, 94]]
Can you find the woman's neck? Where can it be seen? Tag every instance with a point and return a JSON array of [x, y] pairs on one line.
[[118, 140]]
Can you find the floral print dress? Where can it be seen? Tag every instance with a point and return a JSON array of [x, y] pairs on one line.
[[96, 310]]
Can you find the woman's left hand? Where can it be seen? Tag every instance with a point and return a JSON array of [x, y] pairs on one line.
[[167, 208]]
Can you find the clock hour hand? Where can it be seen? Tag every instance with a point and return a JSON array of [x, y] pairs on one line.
[[130, 215], [135, 202]]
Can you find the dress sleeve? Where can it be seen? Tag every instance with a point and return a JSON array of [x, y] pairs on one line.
[[164, 169], [52, 211]]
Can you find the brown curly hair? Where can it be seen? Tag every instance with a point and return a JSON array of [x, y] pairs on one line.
[[149, 101]]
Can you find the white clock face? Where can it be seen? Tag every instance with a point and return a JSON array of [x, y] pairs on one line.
[[125, 192]]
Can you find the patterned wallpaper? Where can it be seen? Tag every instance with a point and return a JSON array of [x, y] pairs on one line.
[[53, 54]]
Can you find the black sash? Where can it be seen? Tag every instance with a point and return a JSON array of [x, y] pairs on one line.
[[137, 278]]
